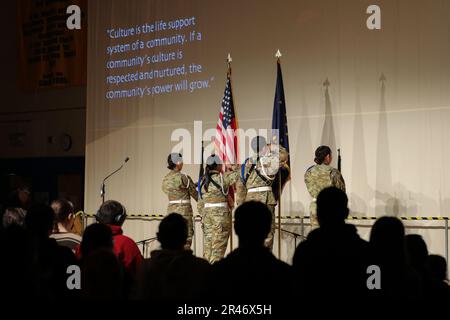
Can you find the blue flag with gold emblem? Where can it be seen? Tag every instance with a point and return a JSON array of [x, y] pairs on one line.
[[280, 125]]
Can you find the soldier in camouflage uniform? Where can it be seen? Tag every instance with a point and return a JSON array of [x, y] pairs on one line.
[[258, 174], [321, 176], [216, 213], [180, 188]]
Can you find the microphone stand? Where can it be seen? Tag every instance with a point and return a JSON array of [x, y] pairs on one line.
[[103, 186], [144, 243]]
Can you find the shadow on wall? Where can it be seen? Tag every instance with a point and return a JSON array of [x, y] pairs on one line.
[[383, 184], [359, 164], [304, 149], [328, 131], [404, 202], [389, 199]]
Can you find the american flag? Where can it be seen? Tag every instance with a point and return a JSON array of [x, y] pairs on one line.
[[226, 139]]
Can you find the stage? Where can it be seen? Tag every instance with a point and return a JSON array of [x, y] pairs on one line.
[[372, 82]]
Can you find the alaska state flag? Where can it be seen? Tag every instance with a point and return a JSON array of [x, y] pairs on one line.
[[279, 122]]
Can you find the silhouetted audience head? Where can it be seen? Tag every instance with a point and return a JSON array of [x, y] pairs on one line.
[[13, 216], [437, 267], [102, 276], [332, 207], [111, 212], [173, 232], [387, 237], [96, 236], [416, 251], [20, 198], [388, 233], [63, 211], [39, 220], [252, 223]]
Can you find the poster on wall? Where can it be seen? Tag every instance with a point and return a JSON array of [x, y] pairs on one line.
[[50, 54]]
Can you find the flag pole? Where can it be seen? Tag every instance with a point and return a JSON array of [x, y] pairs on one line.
[[201, 173], [229, 59], [279, 214], [278, 55]]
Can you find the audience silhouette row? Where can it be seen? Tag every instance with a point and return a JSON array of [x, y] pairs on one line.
[[333, 263]]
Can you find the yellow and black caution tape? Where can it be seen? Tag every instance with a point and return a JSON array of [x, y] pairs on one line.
[[143, 215], [413, 218], [401, 218], [133, 215], [375, 218]]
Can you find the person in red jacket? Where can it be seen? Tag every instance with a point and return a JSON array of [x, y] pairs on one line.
[[113, 214]]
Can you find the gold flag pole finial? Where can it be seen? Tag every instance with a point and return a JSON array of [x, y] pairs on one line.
[[278, 55]]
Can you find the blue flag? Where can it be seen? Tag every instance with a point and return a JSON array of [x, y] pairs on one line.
[[279, 122]]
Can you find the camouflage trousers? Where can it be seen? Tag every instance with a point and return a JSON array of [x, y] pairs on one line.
[[269, 240], [313, 215], [216, 226], [190, 224]]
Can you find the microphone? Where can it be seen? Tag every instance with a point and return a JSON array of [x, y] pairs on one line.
[[103, 186]]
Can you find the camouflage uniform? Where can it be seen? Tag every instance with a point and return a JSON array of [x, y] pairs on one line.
[[200, 205], [216, 214], [317, 178], [179, 188], [256, 178]]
